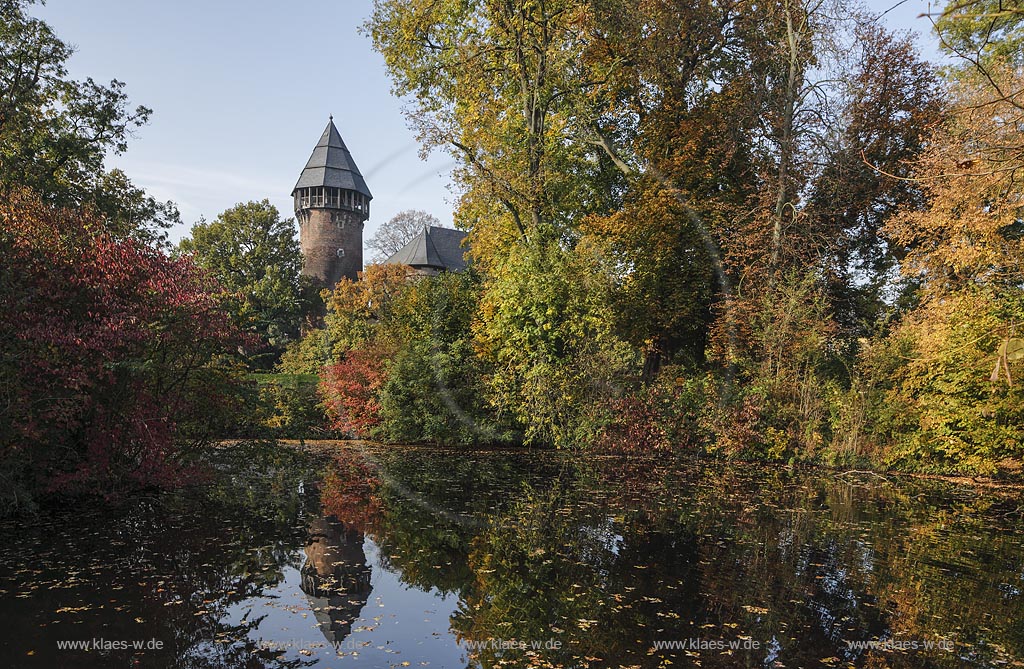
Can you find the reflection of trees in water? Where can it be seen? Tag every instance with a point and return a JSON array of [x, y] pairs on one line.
[[168, 568], [335, 576], [613, 555], [435, 502], [624, 554], [561, 566], [424, 506], [221, 548], [609, 556]]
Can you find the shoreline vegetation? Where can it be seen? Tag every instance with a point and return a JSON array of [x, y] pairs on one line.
[[746, 232], [321, 447]]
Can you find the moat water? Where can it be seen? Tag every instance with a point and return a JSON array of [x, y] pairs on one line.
[[366, 556]]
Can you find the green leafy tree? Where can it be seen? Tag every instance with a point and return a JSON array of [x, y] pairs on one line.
[[503, 87], [55, 132], [546, 333], [980, 31], [434, 389], [500, 86], [255, 256]]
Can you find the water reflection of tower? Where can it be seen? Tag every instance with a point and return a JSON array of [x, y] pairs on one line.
[[335, 577]]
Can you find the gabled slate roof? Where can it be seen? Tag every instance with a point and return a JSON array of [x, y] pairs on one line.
[[332, 165], [435, 248]]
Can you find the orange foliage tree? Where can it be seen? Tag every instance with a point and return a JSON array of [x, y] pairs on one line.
[[351, 384]]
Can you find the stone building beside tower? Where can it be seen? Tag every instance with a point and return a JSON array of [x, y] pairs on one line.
[[332, 203]]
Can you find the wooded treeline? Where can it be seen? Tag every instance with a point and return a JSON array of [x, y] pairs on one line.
[[766, 230], [755, 230]]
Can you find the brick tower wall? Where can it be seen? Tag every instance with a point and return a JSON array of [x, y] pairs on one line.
[[321, 233]]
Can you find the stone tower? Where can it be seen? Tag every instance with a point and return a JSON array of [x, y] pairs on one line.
[[332, 203]]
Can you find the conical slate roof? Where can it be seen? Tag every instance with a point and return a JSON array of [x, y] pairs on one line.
[[332, 165], [434, 247]]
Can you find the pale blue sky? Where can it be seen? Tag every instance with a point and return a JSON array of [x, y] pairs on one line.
[[241, 92]]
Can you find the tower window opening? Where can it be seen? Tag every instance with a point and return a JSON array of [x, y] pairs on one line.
[[334, 198]]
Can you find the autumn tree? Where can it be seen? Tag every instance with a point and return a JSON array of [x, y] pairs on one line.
[[353, 362], [678, 120], [106, 355], [970, 234], [845, 101], [354, 307], [943, 381], [986, 38], [889, 103]]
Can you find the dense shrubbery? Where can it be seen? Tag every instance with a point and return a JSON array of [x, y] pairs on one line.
[[287, 406], [670, 414], [545, 329], [118, 360], [433, 389], [936, 405], [106, 355], [406, 368]]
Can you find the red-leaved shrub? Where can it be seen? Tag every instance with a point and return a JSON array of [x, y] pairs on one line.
[[101, 340], [350, 390]]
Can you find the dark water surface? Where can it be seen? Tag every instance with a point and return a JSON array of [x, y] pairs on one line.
[[395, 557]]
